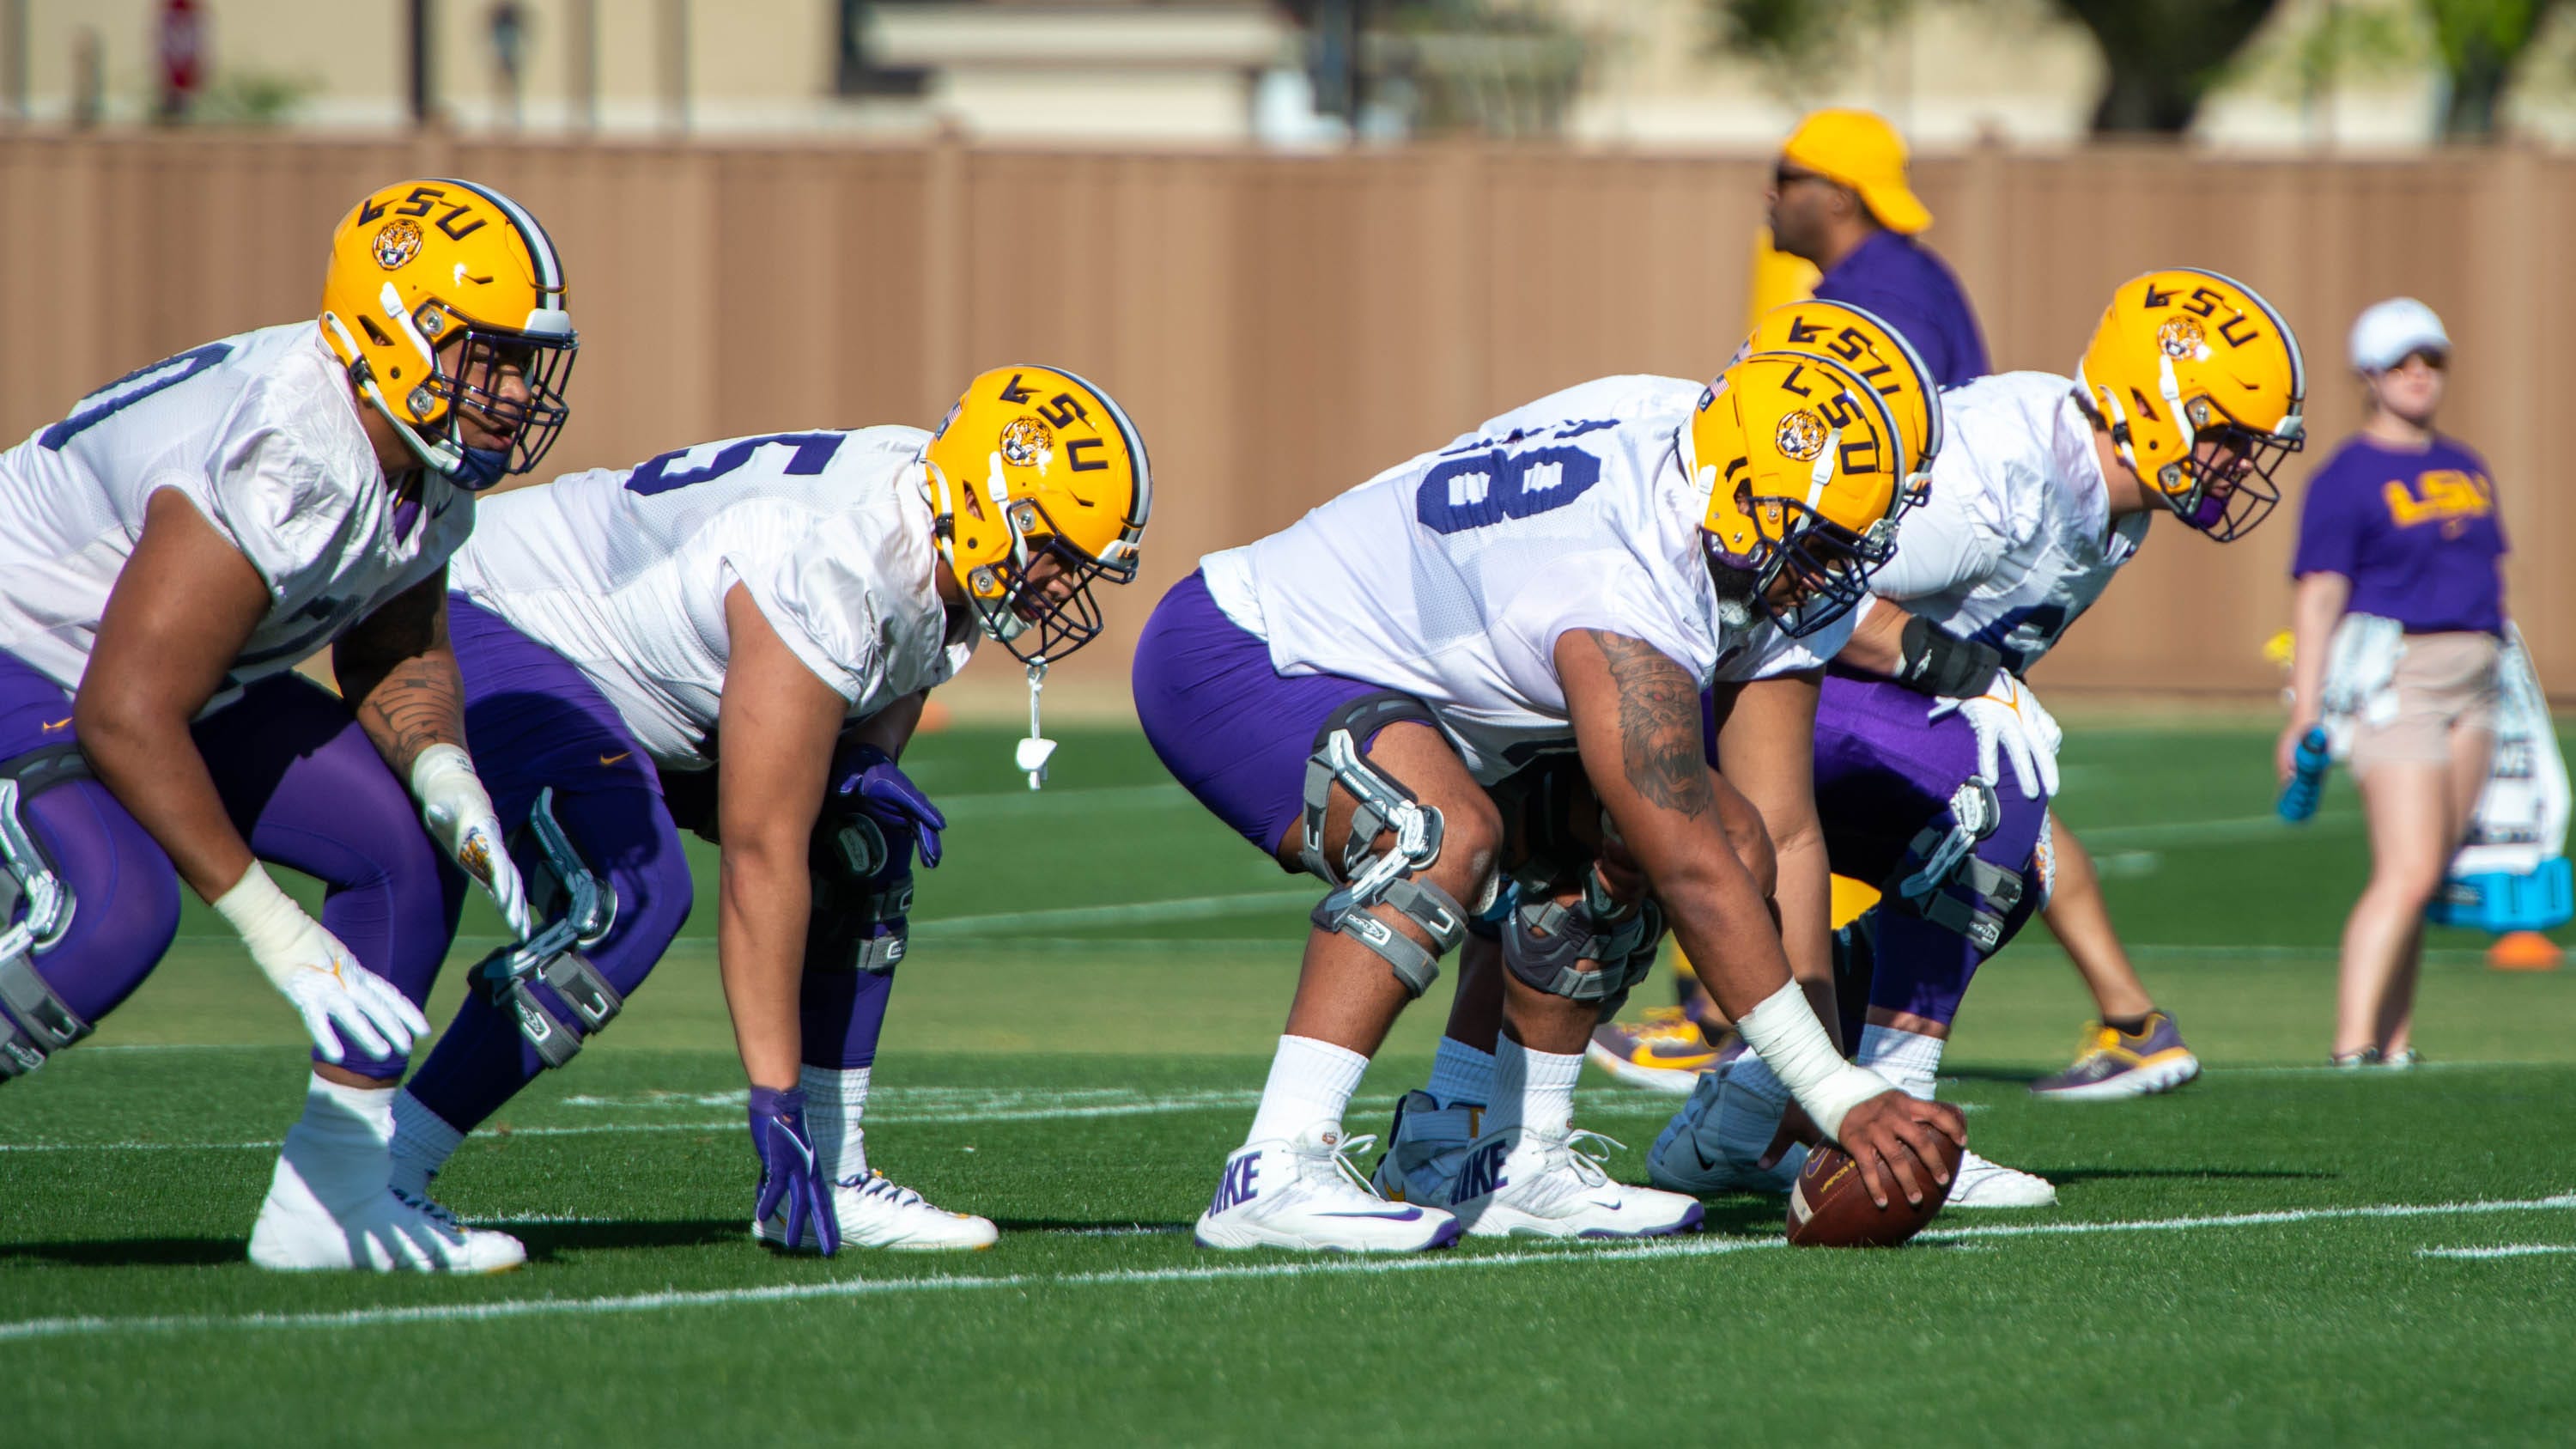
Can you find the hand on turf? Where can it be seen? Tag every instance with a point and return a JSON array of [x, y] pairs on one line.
[[880, 790], [2011, 725], [459, 816], [1892, 1137], [787, 1176]]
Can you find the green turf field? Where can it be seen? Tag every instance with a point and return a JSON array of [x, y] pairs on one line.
[[2273, 1254]]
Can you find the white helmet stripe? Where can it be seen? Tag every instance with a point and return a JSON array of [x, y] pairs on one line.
[[541, 248], [1144, 471]]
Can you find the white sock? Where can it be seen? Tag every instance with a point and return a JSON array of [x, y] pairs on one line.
[[1460, 1073], [338, 1146], [1310, 1083], [1749, 1107], [834, 1099], [1909, 1059], [1532, 1090], [422, 1144]]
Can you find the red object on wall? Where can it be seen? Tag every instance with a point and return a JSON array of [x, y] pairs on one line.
[[183, 53]]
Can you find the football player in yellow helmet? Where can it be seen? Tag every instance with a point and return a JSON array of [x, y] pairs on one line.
[[1874, 351], [1561, 584], [445, 302], [169, 550], [2199, 383], [851, 572]]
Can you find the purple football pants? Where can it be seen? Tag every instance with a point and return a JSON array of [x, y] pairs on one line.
[[1884, 771], [304, 786]]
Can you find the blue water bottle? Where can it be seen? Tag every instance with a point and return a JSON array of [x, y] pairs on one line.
[[2307, 776]]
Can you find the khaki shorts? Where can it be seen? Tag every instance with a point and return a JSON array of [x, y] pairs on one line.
[[2444, 682]]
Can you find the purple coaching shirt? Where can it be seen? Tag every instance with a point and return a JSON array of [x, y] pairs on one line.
[[1909, 287], [2416, 532]]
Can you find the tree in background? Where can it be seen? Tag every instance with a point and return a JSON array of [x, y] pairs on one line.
[[2477, 43]]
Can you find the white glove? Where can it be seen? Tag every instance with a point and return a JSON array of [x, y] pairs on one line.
[[460, 818], [2009, 720], [327, 985]]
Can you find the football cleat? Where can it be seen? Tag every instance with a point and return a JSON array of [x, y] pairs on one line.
[[2402, 1059], [1521, 1183], [382, 1232], [1424, 1146], [1984, 1184], [1668, 1052], [1689, 1157], [875, 1212], [1306, 1194], [2116, 1064]]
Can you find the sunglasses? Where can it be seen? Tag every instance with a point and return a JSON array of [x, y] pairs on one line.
[[1782, 178], [2437, 361]]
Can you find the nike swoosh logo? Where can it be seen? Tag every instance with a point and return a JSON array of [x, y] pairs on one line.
[[1404, 1215], [613, 759], [59, 724]]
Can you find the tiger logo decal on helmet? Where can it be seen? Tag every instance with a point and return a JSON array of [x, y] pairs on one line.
[[1871, 349], [1039, 487], [444, 295], [1806, 468], [2199, 383]]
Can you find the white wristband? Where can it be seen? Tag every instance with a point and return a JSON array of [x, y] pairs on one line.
[[268, 920], [1794, 1046], [432, 763]]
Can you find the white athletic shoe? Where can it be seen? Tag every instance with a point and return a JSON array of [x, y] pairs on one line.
[[1306, 1194], [1521, 1183], [1424, 1147], [875, 1212], [1688, 1157], [1984, 1184], [328, 1206]]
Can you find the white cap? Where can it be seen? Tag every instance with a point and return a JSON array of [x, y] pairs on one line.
[[2386, 332]]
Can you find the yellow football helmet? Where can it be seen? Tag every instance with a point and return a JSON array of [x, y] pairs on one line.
[[1873, 350], [422, 263], [1805, 468], [1034, 462], [2199, 383]]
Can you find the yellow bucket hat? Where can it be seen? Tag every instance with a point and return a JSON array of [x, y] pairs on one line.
[[1861, 151]]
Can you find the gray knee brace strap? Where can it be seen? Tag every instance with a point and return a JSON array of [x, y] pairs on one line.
[[1945, 858], [36, 1023], [859, 886], [1544, 944], [553, 955], [1365, 876]]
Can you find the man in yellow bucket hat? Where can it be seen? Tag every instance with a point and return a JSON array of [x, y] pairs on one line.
[[1839, 199]]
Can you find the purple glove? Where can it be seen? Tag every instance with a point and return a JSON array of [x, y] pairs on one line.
[[877, 788], [787, 1170]]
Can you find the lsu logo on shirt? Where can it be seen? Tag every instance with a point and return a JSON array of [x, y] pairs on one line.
[[2445, 496]]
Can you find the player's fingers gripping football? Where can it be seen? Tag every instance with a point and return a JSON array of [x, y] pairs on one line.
[[1892, 1136], [887, 795], [1797, 1129]]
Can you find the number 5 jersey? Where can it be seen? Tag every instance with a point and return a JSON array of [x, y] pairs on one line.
[[625, 572], [1451, 576], [261, 433]]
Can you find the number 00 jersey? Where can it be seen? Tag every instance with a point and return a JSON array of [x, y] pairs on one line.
[[2017, 538], [1450, 577], [261, 433], [625, 572]]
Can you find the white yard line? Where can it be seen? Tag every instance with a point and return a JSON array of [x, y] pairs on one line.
[[2507, 1250], [1699, 1247]]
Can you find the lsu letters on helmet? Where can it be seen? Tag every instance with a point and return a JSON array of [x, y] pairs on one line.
[[2199, 383], [1805, 468], [1873, 350], [420, 264], [1034, 462]]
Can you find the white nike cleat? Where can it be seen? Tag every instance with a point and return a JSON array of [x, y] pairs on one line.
[[1425, 1145], [875, 1212], [328, 1206], [1984, 1184], [1689, 1155], [1521, 1183], [1306, 1194]]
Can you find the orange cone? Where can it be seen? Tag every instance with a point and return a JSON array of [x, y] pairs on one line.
[[2524, 951]]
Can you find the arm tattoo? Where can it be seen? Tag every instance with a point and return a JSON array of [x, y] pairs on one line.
[[1658, 726], [397, 672]]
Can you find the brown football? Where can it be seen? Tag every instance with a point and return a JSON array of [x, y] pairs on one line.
[[1830, 1207]]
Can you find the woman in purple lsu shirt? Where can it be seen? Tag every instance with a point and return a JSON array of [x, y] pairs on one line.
[[2401, 523]]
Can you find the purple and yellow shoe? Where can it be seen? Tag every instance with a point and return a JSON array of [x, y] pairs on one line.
[[2115, 1064], [1666, 1052]]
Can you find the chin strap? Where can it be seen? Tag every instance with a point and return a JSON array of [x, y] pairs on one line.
[[1033, 751]]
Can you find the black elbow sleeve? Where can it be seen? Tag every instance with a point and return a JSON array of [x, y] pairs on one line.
[[1931, 660]]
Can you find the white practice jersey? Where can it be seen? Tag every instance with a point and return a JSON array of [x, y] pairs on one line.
[[2016, 540], [261, 433], [625, 572], [1451, 576]]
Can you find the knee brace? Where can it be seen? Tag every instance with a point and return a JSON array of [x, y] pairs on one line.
[[34, 1022], [862, 895], [1937, 860], [1544, 944], [1366, 876], [578, 908]]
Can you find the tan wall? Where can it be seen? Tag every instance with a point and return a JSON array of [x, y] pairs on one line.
[[1280, 328]]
